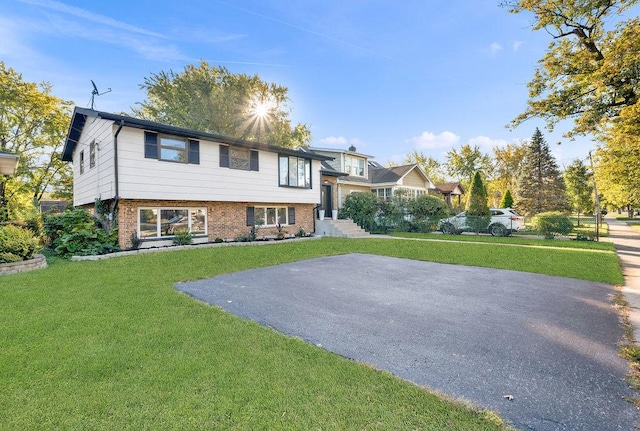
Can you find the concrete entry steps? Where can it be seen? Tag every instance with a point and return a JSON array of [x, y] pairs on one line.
[[340, 228]]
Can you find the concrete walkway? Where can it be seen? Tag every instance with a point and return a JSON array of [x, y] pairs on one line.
[[627, 243]]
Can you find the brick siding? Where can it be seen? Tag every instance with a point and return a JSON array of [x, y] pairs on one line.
[[226, 220]]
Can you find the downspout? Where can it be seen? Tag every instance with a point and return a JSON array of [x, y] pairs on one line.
[[115, 166]]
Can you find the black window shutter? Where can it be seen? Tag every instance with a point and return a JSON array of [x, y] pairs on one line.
[[251, 216], [253, 165], [224, 156], [194, 152], [150, 145], [292, 215]]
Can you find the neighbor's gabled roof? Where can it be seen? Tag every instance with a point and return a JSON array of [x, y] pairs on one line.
[[393, 174], [449, 187], [80, 116]]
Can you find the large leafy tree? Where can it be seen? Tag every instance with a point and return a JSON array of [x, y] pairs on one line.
[[590, 71], [432, 167], [579, 184], [507, 165], [33, 124], [540, 185], [212, 99], [617, 161], [464, 163]]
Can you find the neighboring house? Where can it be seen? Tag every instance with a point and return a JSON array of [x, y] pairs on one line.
[[350, 171], [159, 180], [50, 207], [451, 193]]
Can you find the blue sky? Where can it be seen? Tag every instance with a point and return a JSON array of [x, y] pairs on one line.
[[387, 76]]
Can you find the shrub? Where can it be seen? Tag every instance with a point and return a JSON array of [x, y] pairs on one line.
[[426, 211], [76, 232], [362, 208], [552, 223], [16, 244], [182, 237], [135, 241]]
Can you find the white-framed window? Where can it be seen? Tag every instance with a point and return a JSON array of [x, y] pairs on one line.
[[92, 154], [354, 165], [160, 222], [81, 162], [414, 193], [271, 216], [383, 193], [295, 172]]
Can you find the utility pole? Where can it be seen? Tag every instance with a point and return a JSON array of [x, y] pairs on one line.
[[597, 199]]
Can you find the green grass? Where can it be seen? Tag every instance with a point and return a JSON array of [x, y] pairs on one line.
[[110, 344], [514, 239]]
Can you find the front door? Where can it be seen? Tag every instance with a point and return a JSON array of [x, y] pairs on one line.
[[327, 199]]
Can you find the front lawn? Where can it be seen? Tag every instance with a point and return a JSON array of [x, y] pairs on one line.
[[515, 239], [110, 344]]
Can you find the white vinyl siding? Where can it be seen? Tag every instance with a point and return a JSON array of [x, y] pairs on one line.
[[142, 178], [98, 181]]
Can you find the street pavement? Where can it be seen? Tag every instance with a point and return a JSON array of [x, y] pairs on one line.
[[541, 351]]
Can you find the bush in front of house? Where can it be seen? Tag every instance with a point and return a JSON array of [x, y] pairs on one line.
[[75, 232], [183, 237], [362, 208], [425, 212], [551, 224], [16, 244]]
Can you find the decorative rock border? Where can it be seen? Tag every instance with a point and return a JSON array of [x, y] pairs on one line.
[[38, 262], [188, 247]]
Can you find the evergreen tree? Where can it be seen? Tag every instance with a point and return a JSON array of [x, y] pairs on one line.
[[541, 187], [507, 200], [478, 213]]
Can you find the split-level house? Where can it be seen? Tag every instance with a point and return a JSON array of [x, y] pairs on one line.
[[349, 171], [160, 180]]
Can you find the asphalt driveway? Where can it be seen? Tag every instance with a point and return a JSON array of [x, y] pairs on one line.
[[472, 333]]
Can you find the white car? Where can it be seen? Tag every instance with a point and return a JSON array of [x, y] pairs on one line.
[[503, 222]]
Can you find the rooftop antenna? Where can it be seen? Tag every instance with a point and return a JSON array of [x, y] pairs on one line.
[[95, 92]]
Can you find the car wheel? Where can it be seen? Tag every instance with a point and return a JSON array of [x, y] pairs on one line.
[[448, 228], [497, 229]]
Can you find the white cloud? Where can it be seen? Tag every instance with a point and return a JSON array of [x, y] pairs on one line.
[[339, 141], [430, 141], [517, 44], [495, 48], [486, 143]]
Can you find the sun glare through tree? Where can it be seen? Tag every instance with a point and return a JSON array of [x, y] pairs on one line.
[[258, 115]]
